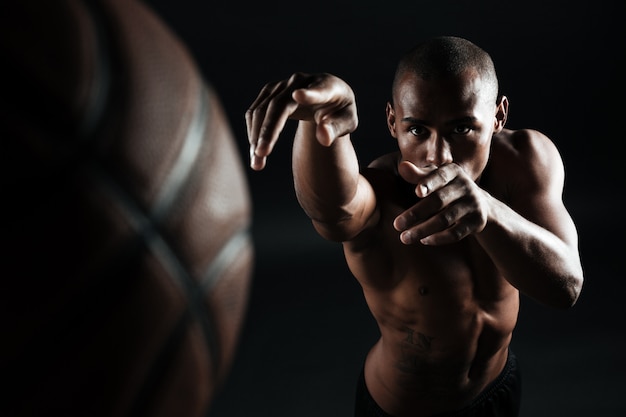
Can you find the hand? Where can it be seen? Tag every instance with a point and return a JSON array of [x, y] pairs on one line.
[[322, 99], [452, 206]]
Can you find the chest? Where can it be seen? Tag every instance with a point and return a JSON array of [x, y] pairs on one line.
[[382, 261]]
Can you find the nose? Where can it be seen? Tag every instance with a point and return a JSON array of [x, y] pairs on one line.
[[438, 151]]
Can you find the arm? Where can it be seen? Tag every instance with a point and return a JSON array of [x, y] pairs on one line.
[[326, 172], [328, 185], [532, 239]]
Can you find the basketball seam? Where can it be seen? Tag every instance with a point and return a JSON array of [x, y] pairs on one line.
[[161, 366], [149, 231], [187, 157], [225, 257], [101, 81]]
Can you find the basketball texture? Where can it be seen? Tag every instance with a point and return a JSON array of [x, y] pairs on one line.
[[126, 257]]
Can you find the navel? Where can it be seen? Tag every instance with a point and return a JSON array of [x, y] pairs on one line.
[[423, 290]]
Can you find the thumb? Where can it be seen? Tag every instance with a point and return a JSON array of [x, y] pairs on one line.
[[331, 121], [325, 133], [332, 108], [413, 174]]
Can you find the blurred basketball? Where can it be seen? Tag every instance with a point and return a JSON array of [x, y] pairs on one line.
[[126, 255]]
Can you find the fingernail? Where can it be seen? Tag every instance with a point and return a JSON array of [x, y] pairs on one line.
[[400, 224], [257, 162], [423, 190]]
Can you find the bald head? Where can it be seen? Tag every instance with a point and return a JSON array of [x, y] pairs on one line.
[[448, 56]]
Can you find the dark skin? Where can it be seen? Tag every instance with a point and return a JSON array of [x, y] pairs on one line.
[[442, 235]]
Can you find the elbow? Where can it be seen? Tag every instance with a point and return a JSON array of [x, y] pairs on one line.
[[575, 289], [570, 292], [333, 231], [343, 226]]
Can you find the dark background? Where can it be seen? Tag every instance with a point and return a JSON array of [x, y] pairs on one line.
[[562, 66]]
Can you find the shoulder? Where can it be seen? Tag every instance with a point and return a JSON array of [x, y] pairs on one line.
[[388, 163], [524, 145], [527, 158], [383, 170], [382, 174]]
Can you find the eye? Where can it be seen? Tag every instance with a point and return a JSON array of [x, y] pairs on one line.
[[462, 130], [418, 130]]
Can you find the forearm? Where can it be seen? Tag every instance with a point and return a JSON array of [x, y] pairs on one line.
[[325, 178], [531, 258]]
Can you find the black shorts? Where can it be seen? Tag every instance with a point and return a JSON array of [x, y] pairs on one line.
[[501, 398]]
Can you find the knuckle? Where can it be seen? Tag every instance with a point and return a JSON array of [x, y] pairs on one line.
[[442, 175], [355, 123], [474, 209], [263, 133], [458, 232], [256, 111], [478, 220], [269, 87], [296, 77], [449, 217]]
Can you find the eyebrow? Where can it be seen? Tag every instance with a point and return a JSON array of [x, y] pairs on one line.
[[467, 119], [414, 120]]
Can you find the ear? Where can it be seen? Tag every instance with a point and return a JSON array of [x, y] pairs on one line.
[[391, 120], [502, 112]]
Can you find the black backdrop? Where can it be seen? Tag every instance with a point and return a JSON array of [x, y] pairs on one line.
[[561, 64]]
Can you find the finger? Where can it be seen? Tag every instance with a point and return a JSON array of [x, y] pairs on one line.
[[466, 225], [407, 218], [257, 163], [274, 119], [439, 222], [450, 197], [255, 116], [256, 111], [437, 179], [266, 118], [449, 225], [451, 235]]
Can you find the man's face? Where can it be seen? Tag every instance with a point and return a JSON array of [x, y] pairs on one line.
[[441, 121]]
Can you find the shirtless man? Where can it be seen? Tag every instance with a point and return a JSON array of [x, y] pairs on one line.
[[443, 234]]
